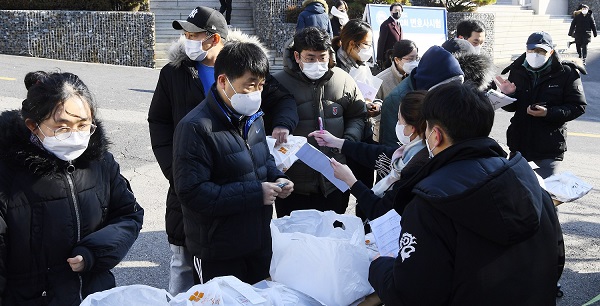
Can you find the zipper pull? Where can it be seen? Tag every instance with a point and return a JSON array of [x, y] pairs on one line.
[[70, 168], [43, 293]]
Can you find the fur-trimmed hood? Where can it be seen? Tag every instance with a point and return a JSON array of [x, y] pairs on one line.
[[305, 3], [177, 55], [17, 149], [477, 68]]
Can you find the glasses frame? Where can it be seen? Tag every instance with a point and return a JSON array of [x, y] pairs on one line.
[[68, 131]]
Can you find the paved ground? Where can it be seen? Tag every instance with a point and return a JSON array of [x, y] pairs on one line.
[[124, 95]]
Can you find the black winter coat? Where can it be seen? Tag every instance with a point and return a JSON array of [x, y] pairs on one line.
[[582, 27], [561, 89], [478, 230], [51, 212], [177, 92], [219, 165]]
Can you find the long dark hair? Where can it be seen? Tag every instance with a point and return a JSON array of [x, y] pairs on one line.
[[354, 30], [411, 111]]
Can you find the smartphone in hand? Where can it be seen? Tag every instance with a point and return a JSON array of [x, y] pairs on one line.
[[534, 106]]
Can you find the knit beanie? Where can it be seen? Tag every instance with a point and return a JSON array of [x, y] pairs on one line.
[[436, 65]]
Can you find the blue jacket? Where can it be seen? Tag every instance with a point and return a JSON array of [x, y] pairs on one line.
[[314, 15], [219, 165], [478, 230]]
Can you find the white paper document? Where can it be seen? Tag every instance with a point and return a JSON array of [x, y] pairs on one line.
[[386, 230], [498, 99], [321, 163], [367, 90]]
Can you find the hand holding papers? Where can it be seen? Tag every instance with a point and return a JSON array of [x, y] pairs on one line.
[[386, 230], [499, 99], [315, 159], [284, 153]]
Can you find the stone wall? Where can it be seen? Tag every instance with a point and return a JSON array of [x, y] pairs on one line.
[[269, 21], [488, 22], [594, 7], [120, 38]]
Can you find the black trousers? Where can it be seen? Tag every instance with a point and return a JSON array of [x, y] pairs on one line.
[[336, 201], [226, 7], [250, 269], [581, 50]]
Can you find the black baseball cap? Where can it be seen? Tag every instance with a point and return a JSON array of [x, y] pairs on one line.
[[203, 19], [540, 40]]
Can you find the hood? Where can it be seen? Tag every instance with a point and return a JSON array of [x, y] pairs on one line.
[[477, 68], [177, 55], [436, 66], [17, 149], [316, 6], [557, 63], [496, 198]]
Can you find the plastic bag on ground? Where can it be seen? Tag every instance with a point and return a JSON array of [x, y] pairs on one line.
[[321, 254], [566, 187], [133, 295]]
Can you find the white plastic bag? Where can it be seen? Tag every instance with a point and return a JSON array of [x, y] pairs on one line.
[[567, 187], [285, 153], [133, 295], [225, 291], [311, 255]]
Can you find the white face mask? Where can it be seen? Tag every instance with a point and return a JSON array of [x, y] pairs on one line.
[[314, 71], [477, 49], [535, 60], [584, 12], [408, 67], [400, 134], [68, 149], [245, 104], [365, 54], [194, 50]]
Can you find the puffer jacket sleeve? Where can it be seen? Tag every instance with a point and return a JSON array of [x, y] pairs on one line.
[[279, 106], [574, 99], [366, 153], [192, 173], [105, 248], [355, 113], [301, 24], [161, 123]]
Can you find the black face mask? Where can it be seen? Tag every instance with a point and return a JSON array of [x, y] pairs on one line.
[[396, 15]]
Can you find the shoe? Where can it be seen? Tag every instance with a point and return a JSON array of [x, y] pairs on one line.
[[584, 61], [569, 44]]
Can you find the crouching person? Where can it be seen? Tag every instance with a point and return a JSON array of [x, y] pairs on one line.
[[223, 172], [478, 228], [67, 215]]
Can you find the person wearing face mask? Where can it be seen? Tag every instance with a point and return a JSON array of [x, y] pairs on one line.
[[68, 215], [394, 164], [224, 175], [581, 29], [472, 31], [404, 58], [549, 93], [390, 32], [475, 224], [182, 85], [338, 16], [324, 94], [436, 67]]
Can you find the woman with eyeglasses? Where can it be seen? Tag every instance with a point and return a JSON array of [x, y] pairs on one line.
[[67, 214]]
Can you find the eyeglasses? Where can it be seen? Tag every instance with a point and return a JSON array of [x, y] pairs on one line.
[[366, 45], [411, 58], [64, 132], [323, 59]]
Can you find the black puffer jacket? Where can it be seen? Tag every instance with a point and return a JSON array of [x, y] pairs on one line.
[[219, 164], [478, 230], [560, 87], [177, 92], [582, 27], [49, 214]]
